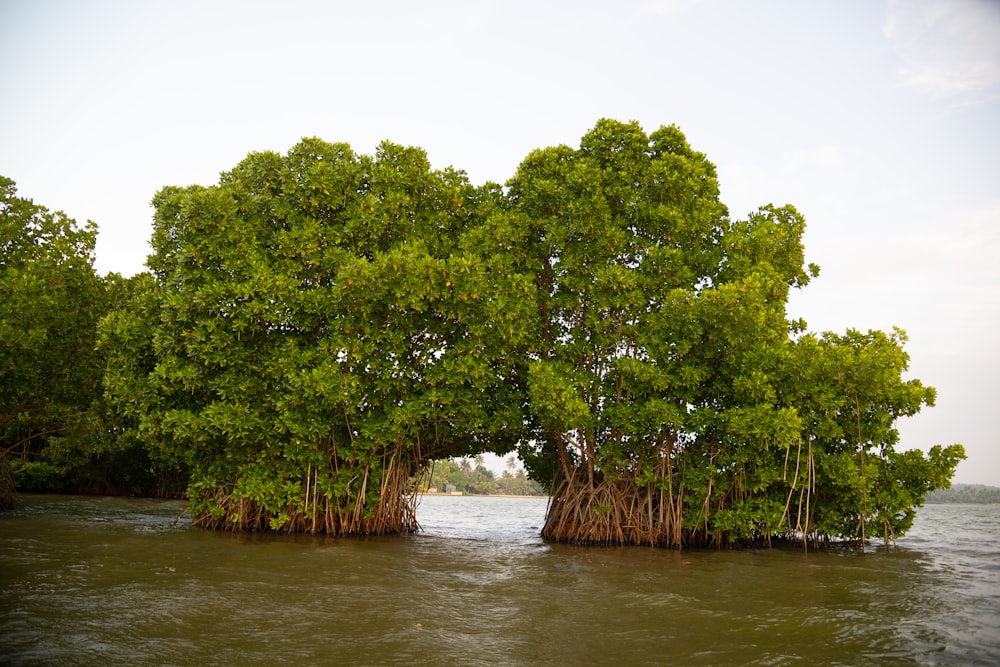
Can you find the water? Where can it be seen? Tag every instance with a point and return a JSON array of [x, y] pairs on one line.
[[112, 581]]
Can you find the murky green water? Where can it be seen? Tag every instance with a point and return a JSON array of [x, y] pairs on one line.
[[111, 581]]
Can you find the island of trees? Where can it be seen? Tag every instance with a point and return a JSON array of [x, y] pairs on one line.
[[318, 327]]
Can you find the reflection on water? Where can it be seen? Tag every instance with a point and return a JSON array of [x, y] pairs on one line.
[[106, 581]]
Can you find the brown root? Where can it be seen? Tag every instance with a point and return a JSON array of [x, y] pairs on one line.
[[391, 511], [612, 512]]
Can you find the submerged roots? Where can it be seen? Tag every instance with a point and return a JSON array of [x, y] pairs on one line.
[[612, 512], [375, 507]]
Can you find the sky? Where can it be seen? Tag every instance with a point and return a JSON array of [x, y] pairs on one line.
[[878, 121]]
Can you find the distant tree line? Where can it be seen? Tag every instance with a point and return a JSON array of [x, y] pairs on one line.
[[476, 479], [966, 493]]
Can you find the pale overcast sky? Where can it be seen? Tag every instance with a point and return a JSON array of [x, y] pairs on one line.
[[879, 121]]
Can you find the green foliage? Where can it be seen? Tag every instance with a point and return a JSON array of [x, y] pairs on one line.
[[53, 425], [315, 328], [50, 301], [669, 388], [49, 304], [319, 326]]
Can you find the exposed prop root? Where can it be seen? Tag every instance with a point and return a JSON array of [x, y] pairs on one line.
[[392, 510], [612, 512]]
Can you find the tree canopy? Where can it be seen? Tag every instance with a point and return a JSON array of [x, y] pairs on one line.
[[50, 301], [319, 326], [54, 431], [317, 332], [676, 402]]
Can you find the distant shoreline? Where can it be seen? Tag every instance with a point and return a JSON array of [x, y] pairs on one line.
[[971, 494]]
